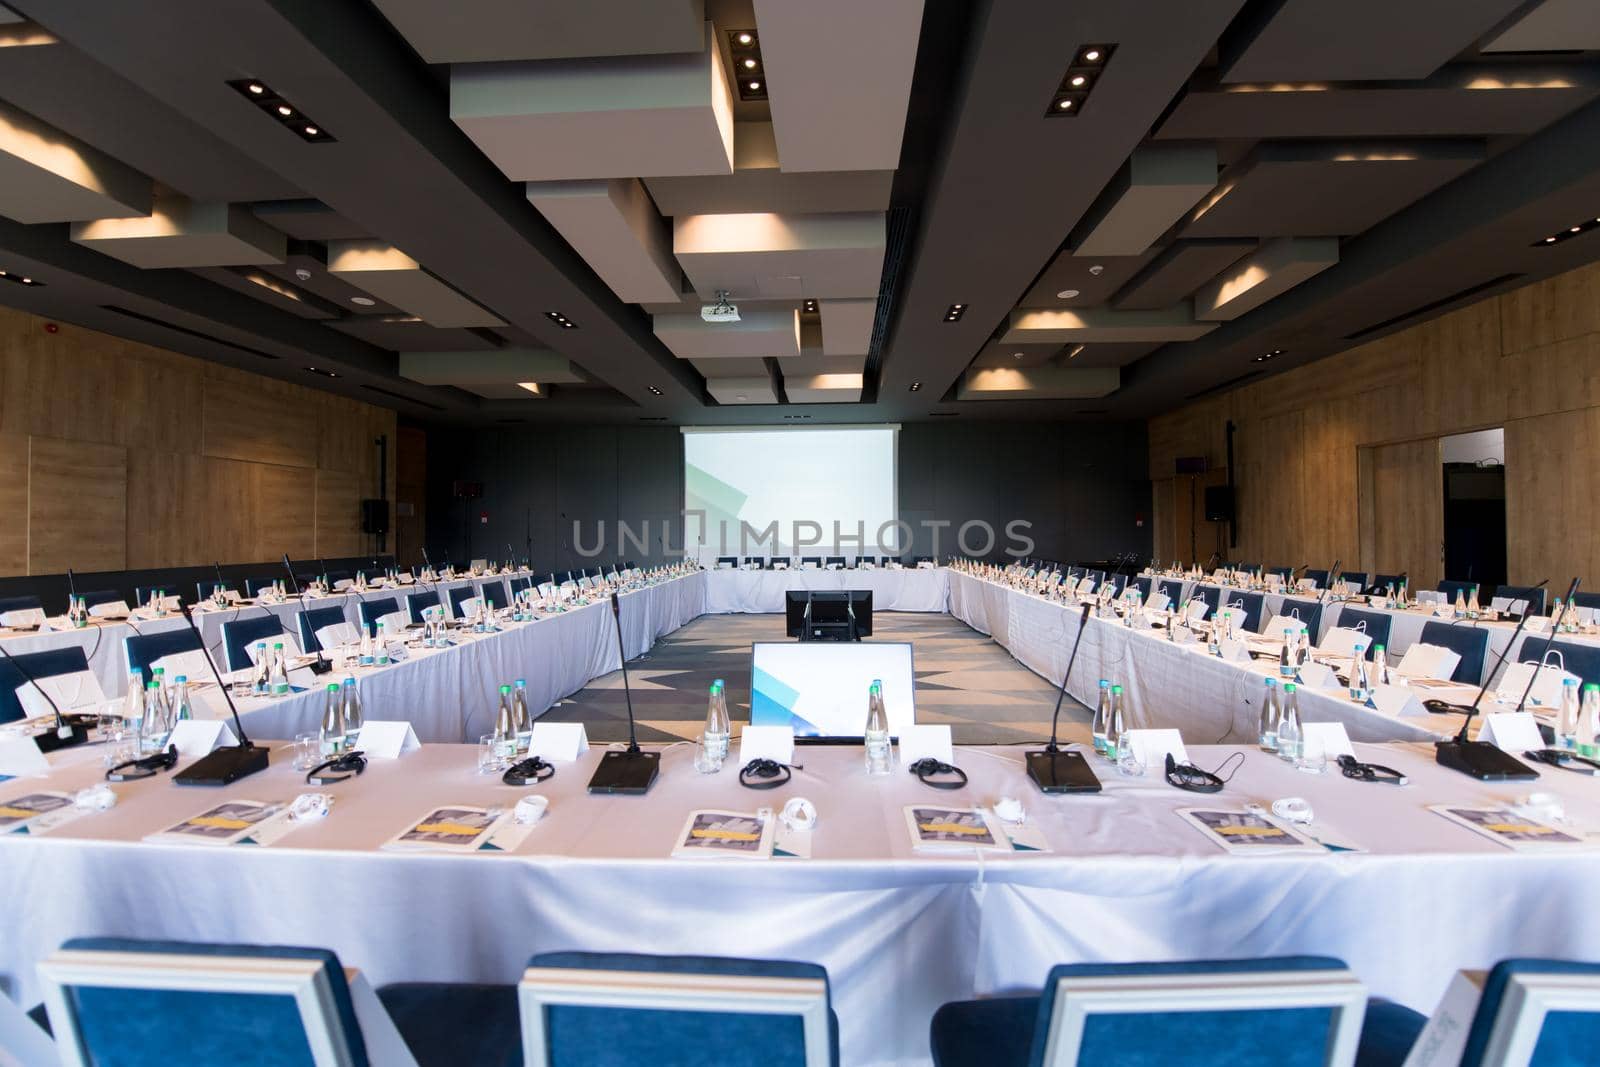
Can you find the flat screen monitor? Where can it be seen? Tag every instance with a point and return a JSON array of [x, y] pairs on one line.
[[820, 688], [827, 606]]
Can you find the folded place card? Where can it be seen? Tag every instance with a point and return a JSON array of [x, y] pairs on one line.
[[383, 739], [1327, 740], [115, 609], [1395, 700], [1234, 650], [1444, 611], [558, 741], [1513, 731], [925, 742], [1538, 624], [21, 618], [1150, 747], [775, 743], [20, 756], [201, 737], [1314, 675]]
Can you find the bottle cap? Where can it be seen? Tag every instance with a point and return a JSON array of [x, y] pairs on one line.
[[1288, 687], [505, 689], [522, 683], [333, 687], [1116, 689], [1591, 688]]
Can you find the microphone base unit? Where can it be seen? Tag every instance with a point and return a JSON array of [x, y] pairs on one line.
[[626, 773], [1483, 761], [77, 727], [224, 766], [320, 666], [1062, 772]]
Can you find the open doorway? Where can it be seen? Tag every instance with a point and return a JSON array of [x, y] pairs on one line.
[[1475, 507]]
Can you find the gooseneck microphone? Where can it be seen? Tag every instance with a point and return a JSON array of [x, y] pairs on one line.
[[629, 771], [1054, 770], [319, 665], [1333, 576], [1480, 759], [69, 731], [229, 764]]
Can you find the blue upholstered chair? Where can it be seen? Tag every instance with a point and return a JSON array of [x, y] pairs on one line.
[[1542, 1013], [49, 664], [585, 1009], [1316, 575], [817, 560], [20, 603], [1308, 612], [1119, 582], [310, 621], [1380, 582], [417, 603], [752, 561], [832, 561], [1586, 600], [142, 650], [1535, 598], [1174, 590], [1375, 624], [95, 597], [370, 611], [180, 1004], [457, 595], [1254, 605], [1450, 588], [254, 586], [1282, 572], [519, 584], [1146, 586], [1471, 643], [494, 593], [1581, 659], [239, 634], [1248, 568], [205, 590], [1211, 595], [1293, 1011], [1357, 580]]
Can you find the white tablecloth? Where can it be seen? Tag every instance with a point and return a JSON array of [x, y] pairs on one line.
[[1164, 685], [899, 932], [758, 592]]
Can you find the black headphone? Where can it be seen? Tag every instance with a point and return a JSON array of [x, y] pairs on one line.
[[144, 767], [530, 771], [1188, 777], [927, 768], [764, 774], [1370, 772], [339, 768]]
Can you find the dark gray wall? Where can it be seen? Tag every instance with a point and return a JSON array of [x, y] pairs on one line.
[[1081, 487]]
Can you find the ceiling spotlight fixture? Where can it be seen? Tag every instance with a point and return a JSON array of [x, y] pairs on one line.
[[1569, 233], [810, 307], [954, 312], [1079, 80], [1016, 355], [323, 373], [261, 95], [654, 390], [360, 301], [19, 279], [915, 386], [1066, 294], [1276, 352], [746, 52], [560, 320]]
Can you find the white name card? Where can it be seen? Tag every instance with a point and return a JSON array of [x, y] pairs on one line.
[[1150, 747], [22, 617], [1537, 624], [115, 609], [1514, 732], [1315, 675], [1234, 650], [558, 742], [1327, 740], [20, 756], [383, 739], [201, 737], [766, 742], [1396, 700], [926, 742]]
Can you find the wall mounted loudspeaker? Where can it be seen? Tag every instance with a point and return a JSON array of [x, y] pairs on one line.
[[1219, 503], [374, 516]]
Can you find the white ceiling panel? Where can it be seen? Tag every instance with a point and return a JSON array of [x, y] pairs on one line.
[[822, 388], [613, 225], [478, 31], [390, 274], [792, 257], [495, 367], [847, 326], [757, 334], [181, 233], [754, 390]]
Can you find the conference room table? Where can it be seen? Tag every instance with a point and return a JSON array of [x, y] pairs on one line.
[[734, 589], [1121, 877], [1165, 684]]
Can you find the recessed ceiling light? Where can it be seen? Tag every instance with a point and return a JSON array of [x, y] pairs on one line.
[[1576, 229], [364, 301], [1064, 105], [312, 131], [749, 64], [1016, 355], [1075, 350], [745, 38], [1548, 240], [262, 96], [656, 391], [741, 396], [755, 87], [1066, 294], [323, 373], [1092, 55], [915, 386], [1077, 81], [285, 110], [256, 88]]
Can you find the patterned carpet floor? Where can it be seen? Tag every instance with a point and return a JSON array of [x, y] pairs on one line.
[[963, 678]]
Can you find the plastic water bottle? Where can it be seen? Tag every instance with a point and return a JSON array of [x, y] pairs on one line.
[[1380, 666], [1360, 683], [505, 727], [718, 729], [1102, 720], [354, 715], [1473, 607], [876, 733], [519, 708], [1116, 733], [1290, 741], [280, 672], [1567, 723], [364, 655], [380, 647], [182, 708], [331, 735], [1461, 605], [1589, 721], [156, 724], [1271, 713], [133, 705]]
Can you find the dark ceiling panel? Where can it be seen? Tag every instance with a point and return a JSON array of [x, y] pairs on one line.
[[1461, 100], [308, 220], [335, 291], [406, 334], [999, 354], [1354, 40], [1109, 354], [256, 283], [1315, 189], [1180, 270], [1067, 272]]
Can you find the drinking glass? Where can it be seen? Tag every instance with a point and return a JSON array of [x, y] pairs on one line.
[[307, 752], [490, 761], [704, 761]]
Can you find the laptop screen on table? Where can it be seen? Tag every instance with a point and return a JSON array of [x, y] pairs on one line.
[[820, 687]]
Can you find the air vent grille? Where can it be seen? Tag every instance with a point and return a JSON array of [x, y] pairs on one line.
[[1432, 305]]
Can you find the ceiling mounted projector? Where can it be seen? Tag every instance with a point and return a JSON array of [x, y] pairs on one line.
[[721, 311]]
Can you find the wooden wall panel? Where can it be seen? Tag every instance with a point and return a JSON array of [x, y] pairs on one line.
[[162, 486], [338, 514], [244, 420], [1550, 505], [233, 522], [13, 503], [77, 506], [1408, 510]]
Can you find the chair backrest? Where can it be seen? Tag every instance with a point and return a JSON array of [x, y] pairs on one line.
[[416, 603], [1450, 588], [101, 596], [1381, 582], [1173, 588], [203, 1003], [1318, 576], [1471, 643], [141, 650], [494, 593], [732, 561], [1210, 595], [1293, 1011], [1586, 600], [519, 584], [206, 589], [20, 603], [254, 586], [1375, 624], [815, 560], [1146, 587], [47, 664], [831, 560], [1254, 605], [1535, 1013], [1281, 572], [1355, 579], [370, 611], [1581, 659], [308, 622], [1308, 611], [457, 595], [239, 634], [582, 1008], [1534, 598]]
